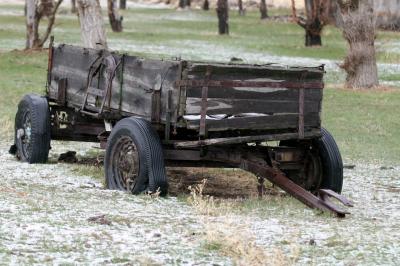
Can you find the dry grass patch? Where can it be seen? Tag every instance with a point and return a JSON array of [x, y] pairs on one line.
[[227, 238], [239, 244], [6, 129]]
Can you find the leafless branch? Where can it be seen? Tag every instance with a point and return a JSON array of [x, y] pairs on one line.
[[50, 24]]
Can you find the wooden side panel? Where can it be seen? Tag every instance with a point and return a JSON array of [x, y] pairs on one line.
[[141, 78], [132, 90], [280, 104], [71, 63]]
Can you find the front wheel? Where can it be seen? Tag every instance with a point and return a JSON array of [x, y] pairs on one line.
[[32, 130], [134, 158]]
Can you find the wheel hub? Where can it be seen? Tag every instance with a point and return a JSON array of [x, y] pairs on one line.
[[125, 163], [25, 134]]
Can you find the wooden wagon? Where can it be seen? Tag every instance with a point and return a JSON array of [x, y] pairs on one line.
[[265, 119]]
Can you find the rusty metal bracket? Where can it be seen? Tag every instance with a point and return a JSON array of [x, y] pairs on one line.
[[105, 94], [204, 103], [62, 91], [301, 106], [168, 116], [49, 64], [278, 178]]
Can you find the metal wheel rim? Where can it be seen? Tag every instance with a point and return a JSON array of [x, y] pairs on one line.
[[26, 138], [312, 171], [125, 163]]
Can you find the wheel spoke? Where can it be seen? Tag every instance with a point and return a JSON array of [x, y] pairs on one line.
[[125, 163]]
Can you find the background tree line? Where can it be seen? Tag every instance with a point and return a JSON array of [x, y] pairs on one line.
[[356, 19]]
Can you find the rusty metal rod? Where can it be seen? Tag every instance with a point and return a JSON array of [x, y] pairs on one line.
[[278, 178]]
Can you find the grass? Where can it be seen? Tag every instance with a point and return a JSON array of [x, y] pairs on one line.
[[365, 124]]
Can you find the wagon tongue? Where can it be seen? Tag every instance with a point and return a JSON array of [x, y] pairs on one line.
[[320, 201]]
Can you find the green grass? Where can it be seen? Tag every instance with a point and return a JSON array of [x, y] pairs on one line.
[[160, 26], [365, 124]]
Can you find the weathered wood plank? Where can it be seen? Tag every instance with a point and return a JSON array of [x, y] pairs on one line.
[[229, 71], [252, 84], [284, 121], [256, 93], [312, 132], [237, 106], [95, 91]]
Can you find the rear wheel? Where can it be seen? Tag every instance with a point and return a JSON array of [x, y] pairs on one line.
[[32, 130], [134, 158], [322, 164]]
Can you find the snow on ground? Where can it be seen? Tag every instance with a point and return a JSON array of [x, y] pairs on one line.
[[45, 210], [200, 50]]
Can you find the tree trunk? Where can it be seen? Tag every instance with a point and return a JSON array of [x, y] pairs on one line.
[[92, 25], [313, 33], [313, 38], [184, 3], [114, 17], [313, 25], [223, 16], [122, 4], [359, 30], [35, 11], [314, 21], [263, 9], [206, 5], [31, 21], [73, 6], [242, 11]]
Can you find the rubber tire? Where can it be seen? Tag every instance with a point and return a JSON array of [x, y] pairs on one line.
[[152, 174], [38, 108], [331, 160]]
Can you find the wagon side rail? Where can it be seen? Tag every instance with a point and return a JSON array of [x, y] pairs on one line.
[[286, 112]]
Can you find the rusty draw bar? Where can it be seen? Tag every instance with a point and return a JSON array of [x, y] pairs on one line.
[[321, 201]]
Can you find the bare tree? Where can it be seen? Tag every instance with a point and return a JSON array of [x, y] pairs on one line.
[[184, 4], [242, 11], [206, 5], [263, 9], [223, 16], [114, 17], [92, 25], [35, 11], [73, 6], [122, 4], [358, 23], [315, 20]]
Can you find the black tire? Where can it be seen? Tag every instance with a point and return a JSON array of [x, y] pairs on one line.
[[32, 129], [150, 174], [330, 159], [331, 162]]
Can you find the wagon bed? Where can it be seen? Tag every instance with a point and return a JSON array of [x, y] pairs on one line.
[[210, 99]]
